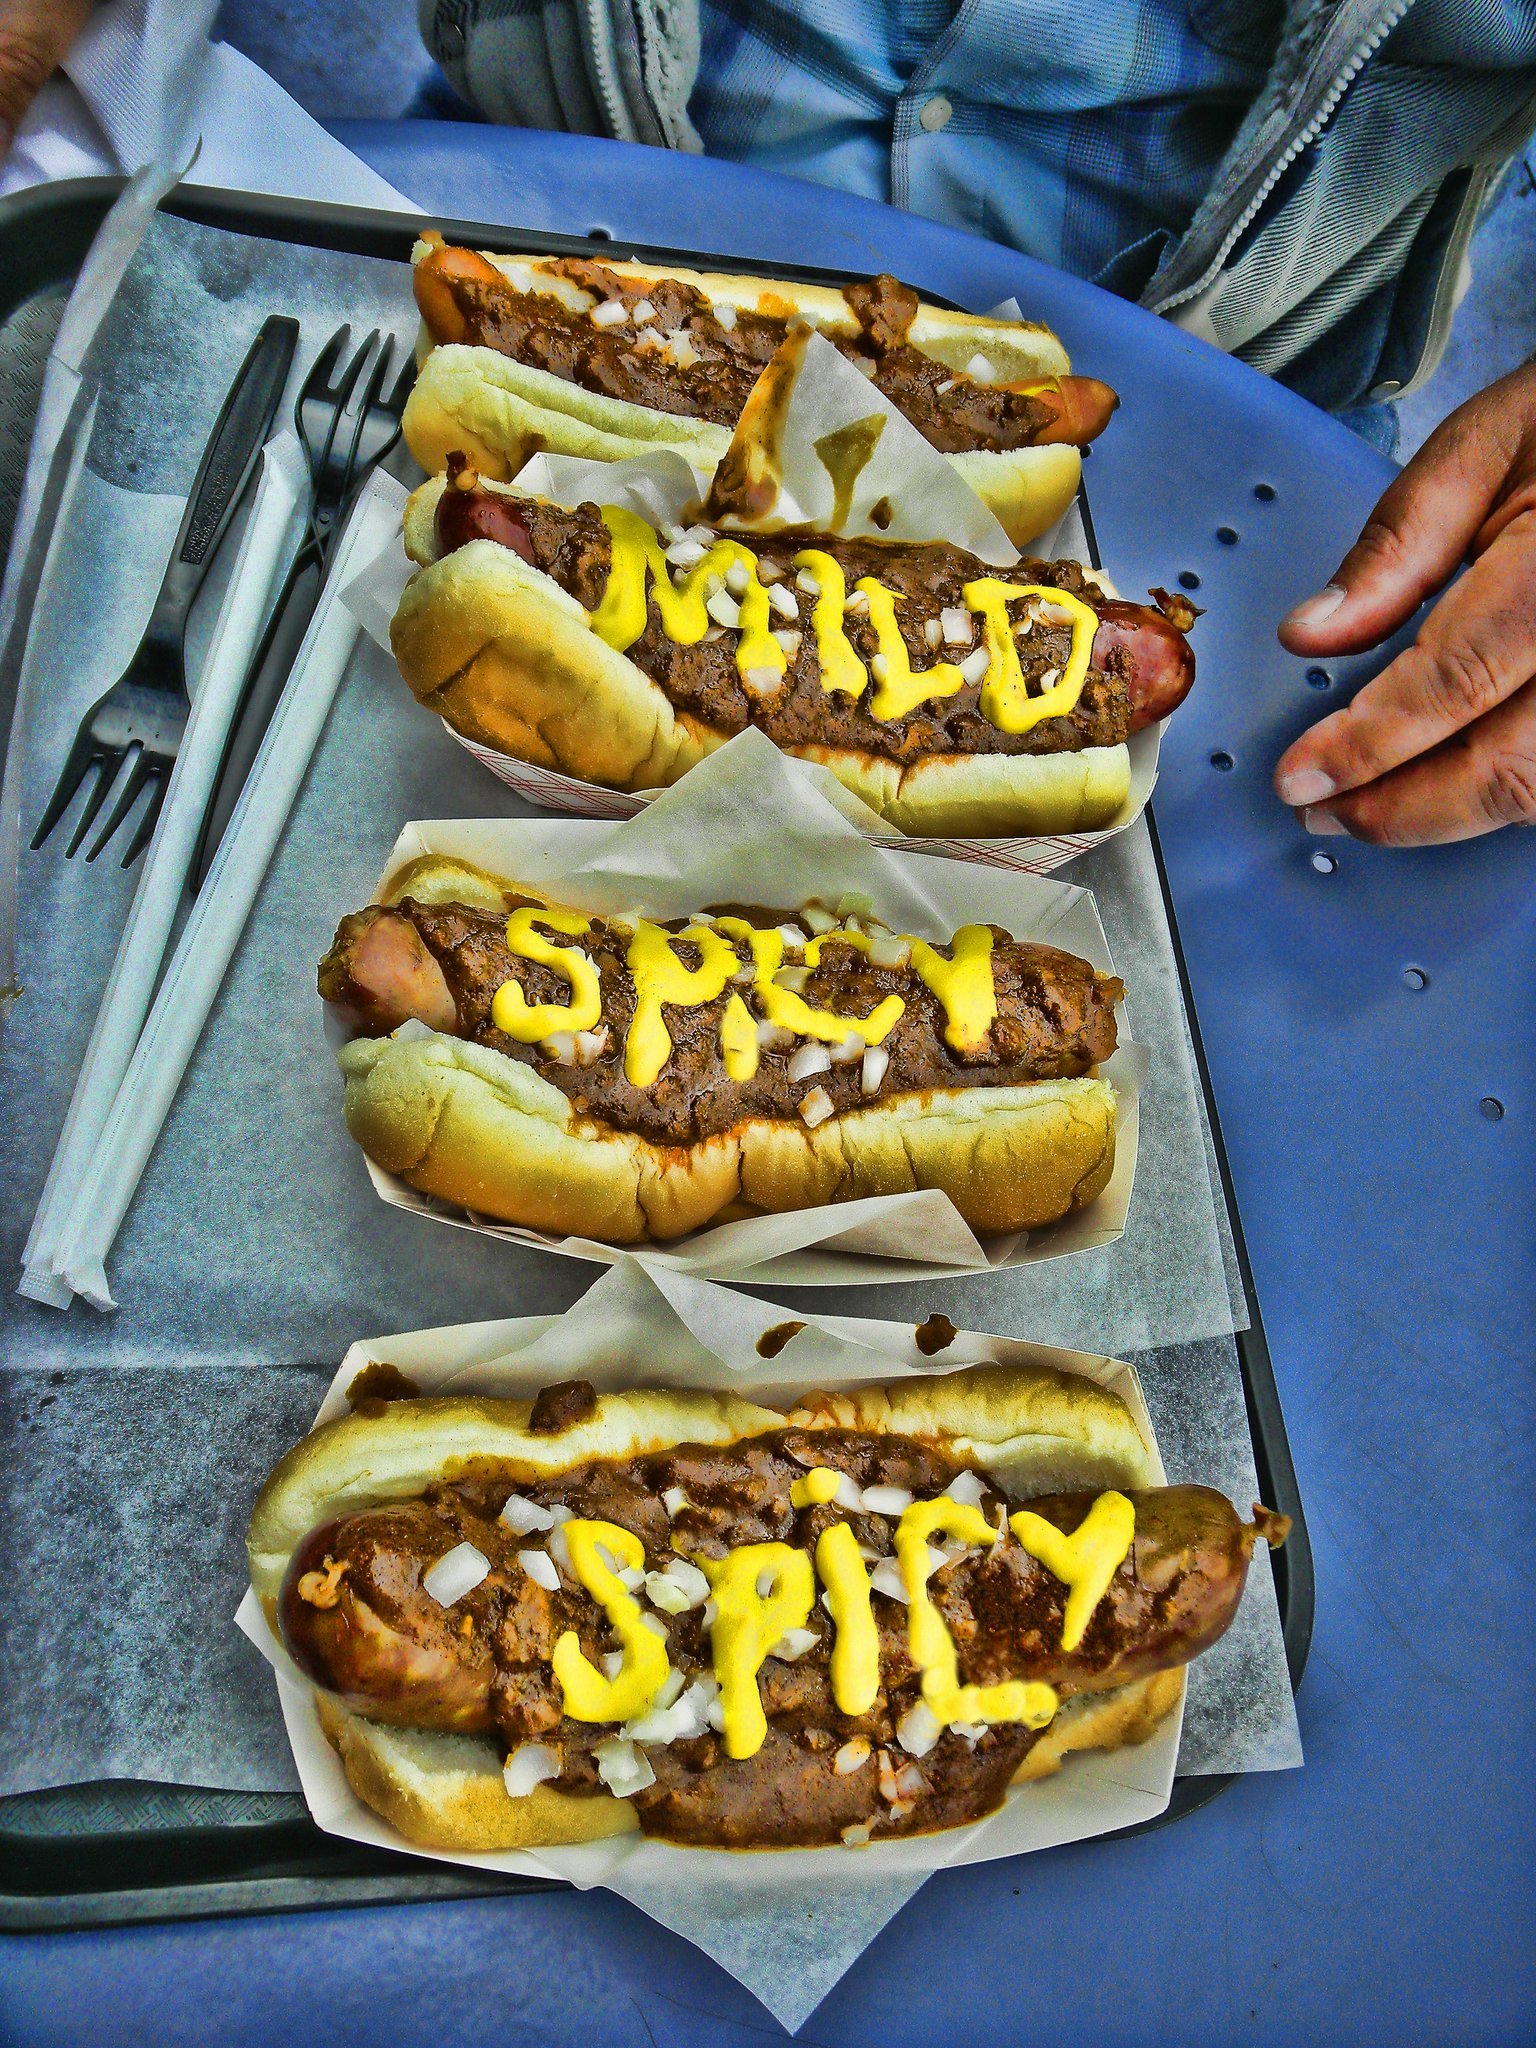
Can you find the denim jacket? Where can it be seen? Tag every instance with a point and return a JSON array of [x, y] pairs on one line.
[[1322, 237]]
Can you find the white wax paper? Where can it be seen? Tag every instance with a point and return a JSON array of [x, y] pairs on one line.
[[788, 1924], [747, 827]]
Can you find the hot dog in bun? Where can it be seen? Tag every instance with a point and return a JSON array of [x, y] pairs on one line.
[[630, 1078], [951, 696], [733, 1626], [616, 359]]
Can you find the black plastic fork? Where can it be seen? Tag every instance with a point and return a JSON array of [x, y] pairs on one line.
[[346, 434], [140, 720]]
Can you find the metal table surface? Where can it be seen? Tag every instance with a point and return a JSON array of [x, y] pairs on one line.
[[1366, 1018]]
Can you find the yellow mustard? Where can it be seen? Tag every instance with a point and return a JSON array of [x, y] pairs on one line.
[[856, 1644], [816, 1488], [1005, 700], [963, 984], [932, 1645], [1086, 1561], [747, 1624], [527, 1022], [784, 1007], [900, 688], [738, 1040], [660, 977], [588, 1695], [620, 616], [841, 669]]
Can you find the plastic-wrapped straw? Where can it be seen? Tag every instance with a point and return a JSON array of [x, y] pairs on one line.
[[268, 536], [218, 917]]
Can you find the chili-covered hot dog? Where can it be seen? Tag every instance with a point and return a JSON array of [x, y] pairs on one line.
[[617, 359], [629, 1078], [953, 698], [532, 1624]]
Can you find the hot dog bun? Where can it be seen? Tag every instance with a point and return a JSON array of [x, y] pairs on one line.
[[466, 1123], [499, 411], [505, 656], [1032, 1430]]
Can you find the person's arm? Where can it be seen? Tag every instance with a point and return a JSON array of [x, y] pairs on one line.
[[1442, 744], [35, 36]]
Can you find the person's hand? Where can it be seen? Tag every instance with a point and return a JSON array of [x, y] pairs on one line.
[[35, 36], [1442, 744]]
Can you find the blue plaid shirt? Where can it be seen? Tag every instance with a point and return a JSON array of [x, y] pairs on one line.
[[1085, 138]]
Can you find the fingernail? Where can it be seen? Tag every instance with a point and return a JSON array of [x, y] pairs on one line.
[[1305, 786], [1323, 825], [1313, 610]]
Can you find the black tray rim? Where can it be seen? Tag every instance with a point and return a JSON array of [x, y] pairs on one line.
[[290, 1865]]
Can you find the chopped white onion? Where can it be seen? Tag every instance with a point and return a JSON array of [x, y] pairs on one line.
[[773, 1037], [853, 1756], [762, 682], [724, 609], [686, 554], [558, 1548], [794, 1643], [955, 624], [455, 1574], [857, 602], [655, 1624], [816, 1107], [674, 1500], [680, 342], [788, 638], [1055, 614], [974, 666], [679, 1718], [855, 903], [792, 978], [966, 1487], [710, 1615], [649, 343], [645, 312], [725, 314], [413, 1028], [933, 632], [591, 1045], [886, 1578], [872, 1071], [851, 1049], [768, 573], [948, 385], [846, 1493], [888, 949], [714, 636], [886, 1763], [807, 582], [737, 579], [612, 1662], [793, 937], [887, 1500], [609, 313], [540, 1567], [765, 1581], [1050, 679], [632, 1578], [670, 531], [716, 1717], [670, 1687], [818, 919], [910, 1783], [679, 1581], [980, 369], [624, 1769], [812, 1058], [879, 667], [560, 1512], [523, 1516], [714, 583], [706, 534], [918, 1729], [782, 599], [969, 1731], [560, 1046], [864, 365], [529, 1765], [857, 1834], [869, 1554]]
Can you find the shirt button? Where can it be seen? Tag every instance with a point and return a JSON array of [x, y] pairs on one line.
[[935, 115]]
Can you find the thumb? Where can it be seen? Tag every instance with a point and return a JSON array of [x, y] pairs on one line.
[[35, 37], [1418, 535]]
